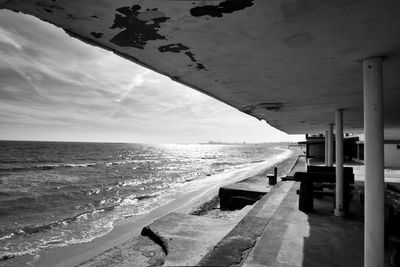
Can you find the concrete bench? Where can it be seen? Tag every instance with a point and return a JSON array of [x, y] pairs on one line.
[[318, 177]]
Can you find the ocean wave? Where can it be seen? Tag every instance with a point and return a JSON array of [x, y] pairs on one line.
[[209, 157], [74, 165], [7, 257], [122, 162], [224, 163], [190, 179], [97, 179], [131, 183], [5, 194], [38, 201], [257, 161], [32, 229], [147, 196], [44, 167], [7, 236], [134, 198]]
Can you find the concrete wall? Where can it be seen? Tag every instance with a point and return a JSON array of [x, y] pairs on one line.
[[392, 155], [316, 151]]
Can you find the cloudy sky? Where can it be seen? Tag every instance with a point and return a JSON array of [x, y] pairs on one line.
[[54, 87]]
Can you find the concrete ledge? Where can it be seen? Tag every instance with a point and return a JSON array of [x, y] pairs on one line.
[[298, 165], [247, 192], [236, 245]]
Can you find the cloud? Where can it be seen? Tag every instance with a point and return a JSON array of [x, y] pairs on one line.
[[63, 89], [9, 39]]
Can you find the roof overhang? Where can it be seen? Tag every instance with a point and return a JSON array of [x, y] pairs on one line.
[[291, 63]]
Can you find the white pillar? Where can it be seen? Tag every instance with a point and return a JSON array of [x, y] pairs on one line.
[[326, 148], [339, 208], [374, 163], [330, 145]]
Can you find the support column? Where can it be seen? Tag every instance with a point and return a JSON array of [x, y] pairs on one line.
[[374, 163], [330, 145], [326, 148], [339, 208]]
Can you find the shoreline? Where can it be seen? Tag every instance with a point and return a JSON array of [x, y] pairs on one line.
[[196, 194]]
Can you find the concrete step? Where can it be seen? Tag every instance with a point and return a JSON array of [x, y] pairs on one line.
[[185, 239], [236, 245]]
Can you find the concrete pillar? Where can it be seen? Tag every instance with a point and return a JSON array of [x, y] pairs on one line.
[[339, 208], [326, 148], [330, 145], [374, 163]]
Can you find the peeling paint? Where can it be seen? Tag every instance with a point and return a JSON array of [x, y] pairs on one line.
[[174, 48], [225, 7], [199, 66], [177, 48], [97, 34], [137, 30], [272, 106], [191, 56]]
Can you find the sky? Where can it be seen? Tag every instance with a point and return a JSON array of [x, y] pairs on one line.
[[56, 88]]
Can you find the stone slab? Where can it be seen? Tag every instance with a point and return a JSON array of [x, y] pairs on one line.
[[248, 186], [187, 238], [246, 192]]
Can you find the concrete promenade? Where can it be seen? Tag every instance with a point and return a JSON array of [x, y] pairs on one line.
[[295, 238], [276, 233]]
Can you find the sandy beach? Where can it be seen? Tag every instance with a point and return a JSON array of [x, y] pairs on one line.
[[197, 197]]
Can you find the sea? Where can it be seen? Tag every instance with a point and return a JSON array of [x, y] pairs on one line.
[[55, 194]]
